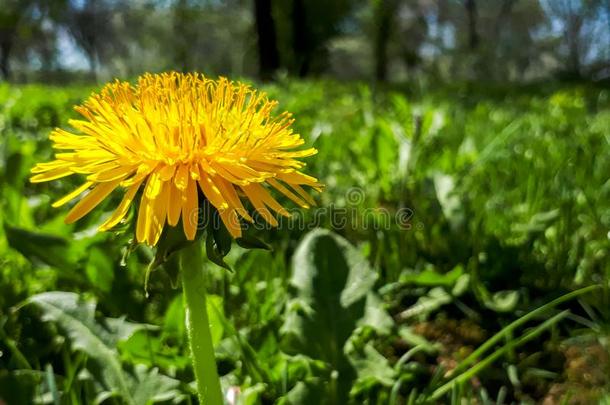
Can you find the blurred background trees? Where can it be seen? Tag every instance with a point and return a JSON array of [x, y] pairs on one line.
[[383, 40]]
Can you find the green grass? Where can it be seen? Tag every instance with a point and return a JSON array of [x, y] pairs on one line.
[[494, 289]]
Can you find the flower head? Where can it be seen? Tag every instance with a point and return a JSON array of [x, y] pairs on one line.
[[171, 135]]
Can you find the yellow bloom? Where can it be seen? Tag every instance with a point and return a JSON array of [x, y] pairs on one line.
[[173, 134]]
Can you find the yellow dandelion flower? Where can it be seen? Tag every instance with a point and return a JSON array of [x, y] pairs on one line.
[[171, 135]]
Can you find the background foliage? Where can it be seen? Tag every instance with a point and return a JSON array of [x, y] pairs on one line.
[[388, 40], [506, 191], [459, 253]]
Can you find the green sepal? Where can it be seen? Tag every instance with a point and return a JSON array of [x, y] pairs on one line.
[[252, 242], [171, 241], [218, 240], [214, 253], [222, 237]]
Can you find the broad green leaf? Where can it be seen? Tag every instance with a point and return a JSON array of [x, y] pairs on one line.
[[331, 280], [215, 315], [21, 386], [372, 369], [384, 150], [75, 316], [100, 269], [151, 350], [413, 339], [503, 301], [444, 186], [431, 278], [174, 323], [324, 259], [461, 285], [436, 298], [376, 316], [49, 249], [305, 392], [147, 386]]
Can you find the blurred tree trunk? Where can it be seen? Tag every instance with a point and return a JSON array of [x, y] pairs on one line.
[[503, 16], [10, 17], [572, 36], [6, 44], [471, 12], [181, 48], [412, 36], [573, 15], [268, 55], [301, 41], [91, 56], [383, 21]]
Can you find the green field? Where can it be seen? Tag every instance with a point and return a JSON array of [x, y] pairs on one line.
[[449, 214]]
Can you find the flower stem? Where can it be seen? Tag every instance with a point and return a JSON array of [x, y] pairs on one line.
[[198, 326]]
